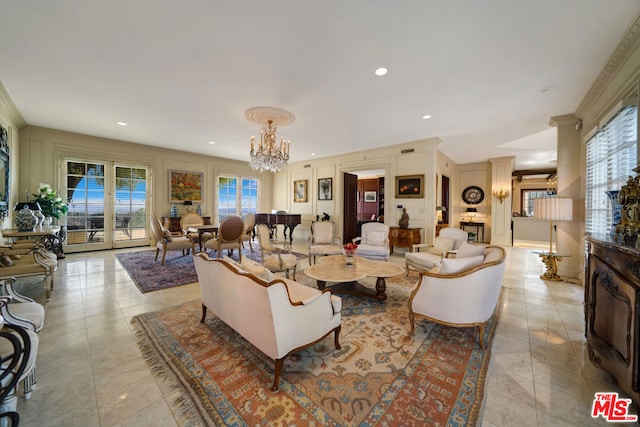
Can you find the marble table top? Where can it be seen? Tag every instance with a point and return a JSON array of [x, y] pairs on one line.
[[334, 269]]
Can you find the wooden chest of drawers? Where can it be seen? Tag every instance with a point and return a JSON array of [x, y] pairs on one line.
[[403, 237]]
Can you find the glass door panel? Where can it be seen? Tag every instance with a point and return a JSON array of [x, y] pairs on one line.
[[130, 205]]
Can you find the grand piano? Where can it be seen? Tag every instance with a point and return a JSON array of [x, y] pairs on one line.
[[273, 219]]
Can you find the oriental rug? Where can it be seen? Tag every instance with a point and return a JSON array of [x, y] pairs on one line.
[[149, 275], [381, 376]]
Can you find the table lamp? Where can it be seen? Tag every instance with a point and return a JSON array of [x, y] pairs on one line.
[[553, 209], [472, 212]]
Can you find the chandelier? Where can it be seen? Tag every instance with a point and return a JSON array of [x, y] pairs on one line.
[[269, 154]]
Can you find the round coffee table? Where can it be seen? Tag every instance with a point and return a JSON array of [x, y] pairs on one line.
[[334, 269]]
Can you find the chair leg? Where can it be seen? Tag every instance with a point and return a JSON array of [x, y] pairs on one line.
[[278, 368], [481, 335], [411, 322], [164, 255], [204, 313], [157, 252]]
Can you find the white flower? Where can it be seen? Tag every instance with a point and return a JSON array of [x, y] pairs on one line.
[[45, 188]]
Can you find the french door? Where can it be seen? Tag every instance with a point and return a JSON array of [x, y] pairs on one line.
[[108, 205]]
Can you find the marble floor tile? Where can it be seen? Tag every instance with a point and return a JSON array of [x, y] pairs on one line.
[[91, 373]]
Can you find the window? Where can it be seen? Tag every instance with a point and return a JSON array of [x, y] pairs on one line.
[[611, 157], [528, 196], [237, 196]]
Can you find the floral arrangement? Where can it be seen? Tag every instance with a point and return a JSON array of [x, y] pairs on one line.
[[50, 203], [350, 248]]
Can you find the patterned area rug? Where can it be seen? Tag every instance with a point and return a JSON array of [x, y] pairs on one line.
[[379, 377], [149, 275]]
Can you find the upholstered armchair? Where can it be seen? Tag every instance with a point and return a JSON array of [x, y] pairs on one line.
[[323, 240], [18, 353], [191, 219], [374, 242], [424, 256], [166, 242], [271, 253], [229, 236], [462, 293], [247, 235], [20, 310]]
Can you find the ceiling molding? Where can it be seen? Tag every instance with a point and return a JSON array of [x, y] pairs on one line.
[[14, 114], [627, 46]]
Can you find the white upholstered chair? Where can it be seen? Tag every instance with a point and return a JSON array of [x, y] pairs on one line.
[[229, 236], [374, 241], [166, 242], [323, 240], [18, 353], [424, 256], [276, 256], [463, 293], [249, 221]]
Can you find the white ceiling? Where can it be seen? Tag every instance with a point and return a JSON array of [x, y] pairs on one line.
[[490, 72]]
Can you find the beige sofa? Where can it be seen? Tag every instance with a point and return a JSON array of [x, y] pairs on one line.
[[279, 317]]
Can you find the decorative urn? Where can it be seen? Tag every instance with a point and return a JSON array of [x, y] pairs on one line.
[[26, 220]]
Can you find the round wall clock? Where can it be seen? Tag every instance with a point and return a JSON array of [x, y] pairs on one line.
[[473, 195]]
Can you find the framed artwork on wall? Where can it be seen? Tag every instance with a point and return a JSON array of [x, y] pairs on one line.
[[410, 186], [370, 196], [325, 189], [185, 186], [300, 189]]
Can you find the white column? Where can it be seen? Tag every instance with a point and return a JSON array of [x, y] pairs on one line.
[[569, 233], [501, 172]]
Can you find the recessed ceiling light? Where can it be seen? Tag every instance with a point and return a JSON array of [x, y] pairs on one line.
[[313, 154], [426, 116], [212, 142], [121, 123], [381, 71]]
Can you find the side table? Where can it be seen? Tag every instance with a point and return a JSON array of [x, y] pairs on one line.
[[403, 237], [550, 260]]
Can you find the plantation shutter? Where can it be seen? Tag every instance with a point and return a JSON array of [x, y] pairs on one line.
[[611, 157]]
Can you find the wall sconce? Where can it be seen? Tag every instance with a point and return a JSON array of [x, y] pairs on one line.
[[501, 194]]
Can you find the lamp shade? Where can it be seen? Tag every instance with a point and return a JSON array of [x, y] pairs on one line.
[[472, 210], [188, 203], [553, 208]]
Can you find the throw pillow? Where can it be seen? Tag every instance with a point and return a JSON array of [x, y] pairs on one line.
[[167, 235], [466, 250], [233, 262], [442, 245], [377, 238], [255, 268], [457, 265]]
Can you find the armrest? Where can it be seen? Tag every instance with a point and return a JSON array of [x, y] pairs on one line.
[[451, 252], [416, 247], [356, 240]]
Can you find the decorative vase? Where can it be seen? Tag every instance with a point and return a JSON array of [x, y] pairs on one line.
[[174, 211], [26, 220], [48, 220], [40, 217], [616, 211], [350, 260], [199, 210]]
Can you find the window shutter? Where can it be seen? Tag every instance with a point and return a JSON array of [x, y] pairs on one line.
[[611, 157]]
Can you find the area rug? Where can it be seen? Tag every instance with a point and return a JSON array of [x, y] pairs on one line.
[[381, 376], [149, 275]]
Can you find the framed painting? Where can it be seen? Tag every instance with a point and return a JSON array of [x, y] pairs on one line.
[[300, 189], [325, 189], [370, 196], [410, 186], [185, 186]]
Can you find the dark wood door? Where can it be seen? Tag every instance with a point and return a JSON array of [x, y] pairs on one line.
[[350, 210], [445, 199]]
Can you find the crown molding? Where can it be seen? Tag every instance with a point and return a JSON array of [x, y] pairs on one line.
[[627, 46], [14, 114]]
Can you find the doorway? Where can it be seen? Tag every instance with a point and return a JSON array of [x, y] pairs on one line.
[[363, 200], [108, 205]]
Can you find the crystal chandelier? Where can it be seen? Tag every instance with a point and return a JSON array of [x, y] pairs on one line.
[[269, 154]]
